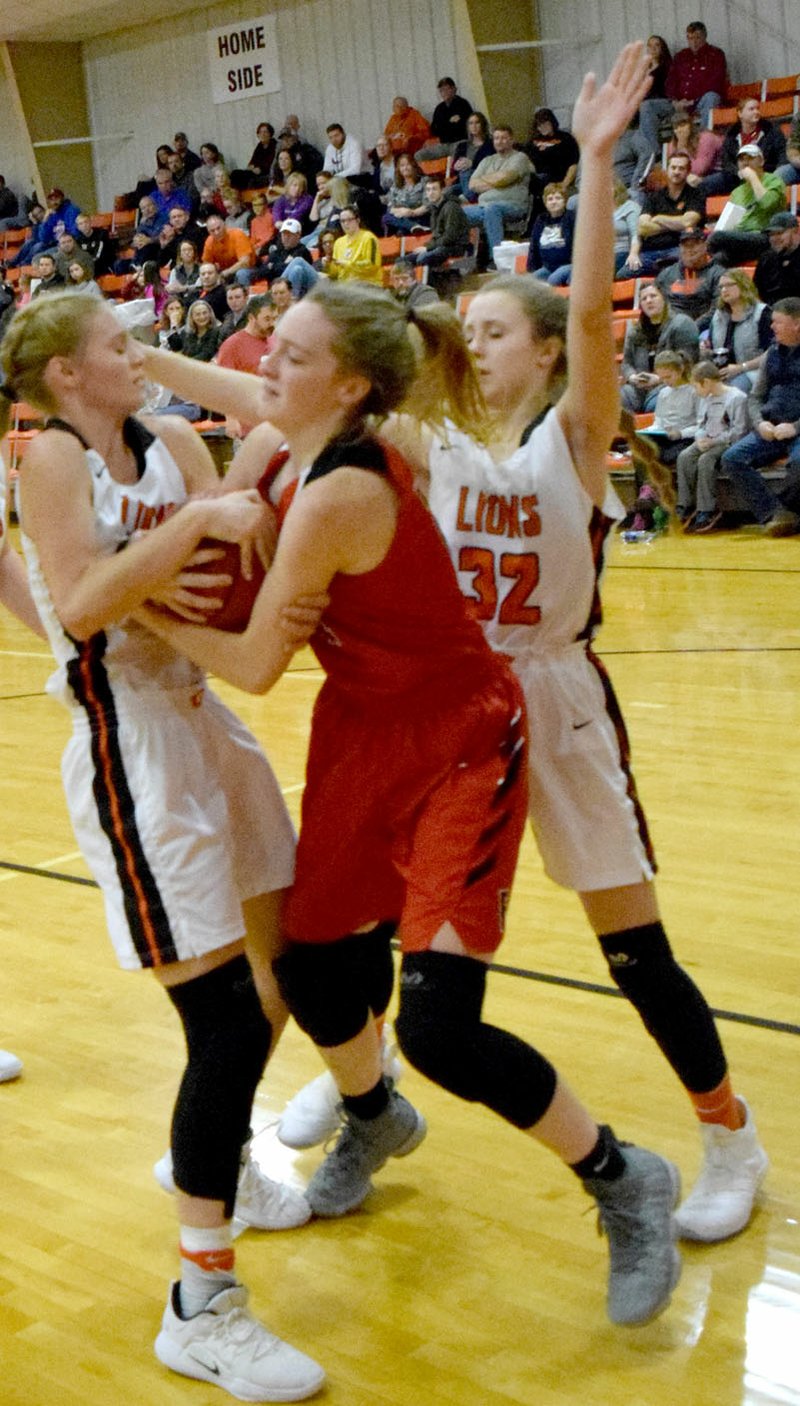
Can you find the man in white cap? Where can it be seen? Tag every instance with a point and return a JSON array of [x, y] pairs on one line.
[[284, 257], [751, 205]]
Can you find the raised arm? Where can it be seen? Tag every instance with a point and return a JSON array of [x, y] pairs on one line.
[[589, 408], [234, 393]]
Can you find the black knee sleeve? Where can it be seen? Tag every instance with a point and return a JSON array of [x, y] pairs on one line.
[[441, 1033], [227, 1040], [672, 1009], [331, 988]]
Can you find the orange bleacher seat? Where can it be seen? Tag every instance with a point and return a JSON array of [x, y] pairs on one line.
[[390, 246], [413, 242], [715, 204], [520, 261], [738, 91], [436, 167], [246, 196], [104, 219], [625, 290], [774, 87], [111, 283], [780, 107], [722, 117], [26, 423], [462, 302]]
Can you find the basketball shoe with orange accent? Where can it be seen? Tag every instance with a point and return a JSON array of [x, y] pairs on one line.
[[721, 1201]]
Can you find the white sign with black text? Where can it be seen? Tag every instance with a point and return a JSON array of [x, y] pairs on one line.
[[243, 59]]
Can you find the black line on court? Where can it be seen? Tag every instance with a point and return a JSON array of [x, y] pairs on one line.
[[47, 874], [706, 570], [723, 649], [781, 1027], [13, 697]]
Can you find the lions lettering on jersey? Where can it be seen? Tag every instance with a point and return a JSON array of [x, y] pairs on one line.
[[497, 514]]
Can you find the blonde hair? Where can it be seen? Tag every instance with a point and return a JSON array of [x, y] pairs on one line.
[[646, 460], [57, 325]]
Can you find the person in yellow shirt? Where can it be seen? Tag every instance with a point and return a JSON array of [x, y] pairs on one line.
[[356, 254]]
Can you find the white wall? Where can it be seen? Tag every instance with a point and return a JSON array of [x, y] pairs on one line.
[[760, 37], [340, 60]]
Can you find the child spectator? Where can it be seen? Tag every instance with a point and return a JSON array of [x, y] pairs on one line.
[[676, 406], [721, 420], [550, 248]]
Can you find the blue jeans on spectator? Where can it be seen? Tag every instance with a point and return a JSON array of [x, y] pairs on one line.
[[653, 110], [29, 251], [557, 278], [789, 174], [651, 262], [299, 275], [490, 218], [742, 463], [404, 224]]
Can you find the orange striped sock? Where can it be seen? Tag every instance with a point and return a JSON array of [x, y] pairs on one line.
[[720, 1105]]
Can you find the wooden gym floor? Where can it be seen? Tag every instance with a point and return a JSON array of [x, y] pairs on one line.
[[474, 1275]]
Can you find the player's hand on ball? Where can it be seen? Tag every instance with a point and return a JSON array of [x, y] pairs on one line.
[[244, 517], [186, 595], [300, 619]]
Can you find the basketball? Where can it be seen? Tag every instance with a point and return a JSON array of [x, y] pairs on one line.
[[238, 598]]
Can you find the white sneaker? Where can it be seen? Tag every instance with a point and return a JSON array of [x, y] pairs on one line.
[[261, 1203], [10, 1066], [226, 1345], [720, 1203], [315, 1113]]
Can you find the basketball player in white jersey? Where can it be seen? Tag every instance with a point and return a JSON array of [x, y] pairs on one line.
[[174, 805]]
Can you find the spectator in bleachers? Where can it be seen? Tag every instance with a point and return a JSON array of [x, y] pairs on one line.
[[326, 242], [199, 339], [61, 215], [777, 273], [759, 196], [407, 130], [36, 216], [691, 283], [470, 152], [344, 154], [449, 121], [751, 129], [626, 228], [286, 257], [553, 153], [305, 157], [406, 205], [185, 271], [282, 298], [667, 212], [9, 206], [675, 409], [790, 171], [96, 243], [173, 319], [146, 282], [80, 277], [70, 252], [189, 158], [383, 168], [550, 248], [356, 253], [449, 228], [149, 221], [660, 56], [167, 195], [229, 249], [244, 349], [163, 153], [183, 178], [721, 421], [740, 329], [181, 226], [205, 175], [280, 173], [295, 203], [262, 226], [209, 289], [697, 80], [256, 173], [406, 287], [236, 316], [656, 329], [774, 410], [50, 280], [502, 184], [236, 216], [704, 147]]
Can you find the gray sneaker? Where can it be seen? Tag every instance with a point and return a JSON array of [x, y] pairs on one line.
[[636, 1215], [342, 1182]]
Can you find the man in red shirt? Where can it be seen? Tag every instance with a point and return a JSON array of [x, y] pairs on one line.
[[697, 81], [243, 350], [230, 249]]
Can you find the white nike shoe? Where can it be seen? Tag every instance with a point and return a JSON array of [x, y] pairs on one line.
[[10, 1066], [315, 1112], [721, 1201], [226, 1345], [261, 1203]]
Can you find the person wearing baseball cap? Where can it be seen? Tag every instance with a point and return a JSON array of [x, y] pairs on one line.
[[284, 257], [777, 273], [759, 195], [690, 284]]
